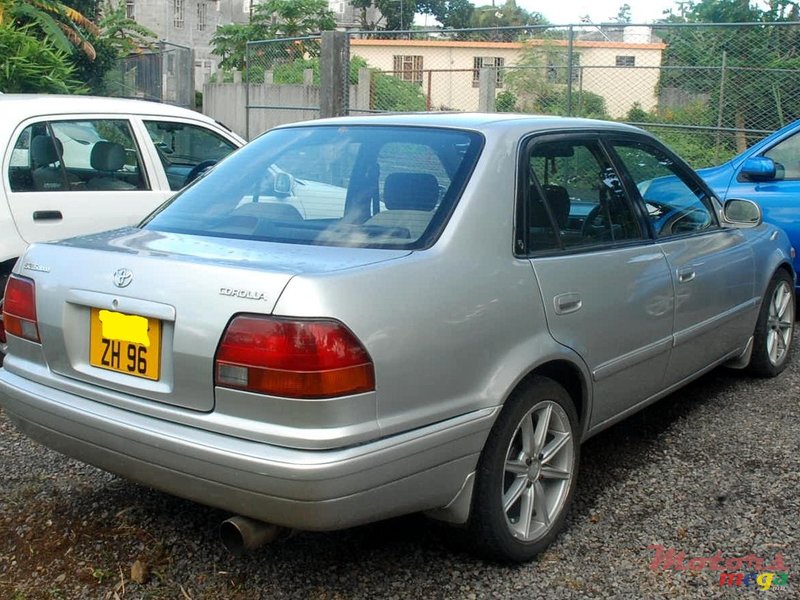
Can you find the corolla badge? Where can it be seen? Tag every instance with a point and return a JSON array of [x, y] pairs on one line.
[[122, 278]]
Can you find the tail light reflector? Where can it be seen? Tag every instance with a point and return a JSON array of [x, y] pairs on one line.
[[19, 308], [293, 358]]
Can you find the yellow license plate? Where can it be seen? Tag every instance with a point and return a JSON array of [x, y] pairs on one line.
[[125, 343]]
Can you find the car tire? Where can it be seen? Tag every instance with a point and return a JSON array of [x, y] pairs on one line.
[[524, 481], [772, 338]]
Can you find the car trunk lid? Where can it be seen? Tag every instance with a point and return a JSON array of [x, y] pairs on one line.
[[171, 294]]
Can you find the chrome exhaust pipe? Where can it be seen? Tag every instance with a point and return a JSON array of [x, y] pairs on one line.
[[242, 534]]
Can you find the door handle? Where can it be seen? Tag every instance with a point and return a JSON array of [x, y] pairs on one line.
[[567, 303], [686, 275], [47, 215]]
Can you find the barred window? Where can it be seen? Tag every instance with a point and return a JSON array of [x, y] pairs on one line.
[[480, 62], [408, 68], [626, 61], [558, 67], [201, 16], [129, 9], [178, 16]]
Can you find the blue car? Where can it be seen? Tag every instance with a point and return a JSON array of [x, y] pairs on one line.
[[769, 173]]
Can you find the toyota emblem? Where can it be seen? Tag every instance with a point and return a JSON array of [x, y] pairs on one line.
[[122, 278]]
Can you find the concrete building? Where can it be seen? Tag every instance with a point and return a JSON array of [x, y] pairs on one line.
[[192, 23]]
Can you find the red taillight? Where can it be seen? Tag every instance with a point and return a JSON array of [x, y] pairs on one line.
[[19, 308], [293, 358]]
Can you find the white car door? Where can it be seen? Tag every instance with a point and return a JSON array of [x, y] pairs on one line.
[[71, 175]]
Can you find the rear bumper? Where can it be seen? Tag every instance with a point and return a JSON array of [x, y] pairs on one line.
[[305, 489]]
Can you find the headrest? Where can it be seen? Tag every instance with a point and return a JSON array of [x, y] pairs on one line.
[[44, 152], [107, 156], [558, 198], [411, 191]]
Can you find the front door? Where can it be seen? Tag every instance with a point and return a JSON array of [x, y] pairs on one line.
[[712, 268]]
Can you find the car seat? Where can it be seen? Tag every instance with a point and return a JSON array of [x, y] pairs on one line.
[[45, 152], [108, 158], [409, 199]]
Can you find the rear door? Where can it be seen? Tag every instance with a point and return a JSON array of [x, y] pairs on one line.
[[605, 285], [68, 176], [711, 267]]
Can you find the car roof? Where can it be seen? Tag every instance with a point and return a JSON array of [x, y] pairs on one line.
[[22, 106], [477, 121]]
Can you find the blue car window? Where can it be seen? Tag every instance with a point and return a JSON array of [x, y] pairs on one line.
[[787, 155]]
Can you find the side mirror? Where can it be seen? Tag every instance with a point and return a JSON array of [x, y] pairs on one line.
[[760, 168], [742, 213], [283, 184]]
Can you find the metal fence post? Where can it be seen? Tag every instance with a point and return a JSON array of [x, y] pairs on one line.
[[570, 68], [721, 103], [247, 90], [333, 64]]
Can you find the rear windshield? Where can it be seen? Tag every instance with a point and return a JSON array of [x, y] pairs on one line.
[[371, 186]]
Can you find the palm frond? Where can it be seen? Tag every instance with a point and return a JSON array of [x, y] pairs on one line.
[[78, 18], [46, 22], [74, 37]]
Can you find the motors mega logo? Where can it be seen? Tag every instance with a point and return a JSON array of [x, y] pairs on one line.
[[735, 571]]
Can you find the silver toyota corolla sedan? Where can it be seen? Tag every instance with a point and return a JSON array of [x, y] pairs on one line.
[[358, 318]]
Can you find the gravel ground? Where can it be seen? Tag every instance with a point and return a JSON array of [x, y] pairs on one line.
[[714, 467]]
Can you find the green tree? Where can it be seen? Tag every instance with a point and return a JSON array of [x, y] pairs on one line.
[[32, 65], [117, 37], [452, 14], [270, 20], [505, 102], [397, 14], [65, 27], [623, 14], [507, 15], [749, 71], [122, 33], [528, 80]]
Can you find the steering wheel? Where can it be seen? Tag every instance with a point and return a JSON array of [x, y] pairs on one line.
[[590, 228], [197, 170]]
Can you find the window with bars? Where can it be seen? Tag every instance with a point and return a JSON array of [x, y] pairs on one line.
[[626, 61], [480, 62], [558, 67], [178, 14], [201, 16], [130, 11], [408, 68]]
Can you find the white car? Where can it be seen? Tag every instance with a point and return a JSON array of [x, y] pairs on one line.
[[73, 165]]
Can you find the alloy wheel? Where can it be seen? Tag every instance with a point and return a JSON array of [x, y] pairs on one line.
[[780, 323], [538, 471]]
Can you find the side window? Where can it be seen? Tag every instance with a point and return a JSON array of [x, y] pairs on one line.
[[786, 154], [574, 197], [76, 155], [183, 147], [675, 203], [20, 172]]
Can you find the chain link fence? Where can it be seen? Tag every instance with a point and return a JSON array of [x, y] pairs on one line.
[[164, 75], [282, 81], [707, 90]]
